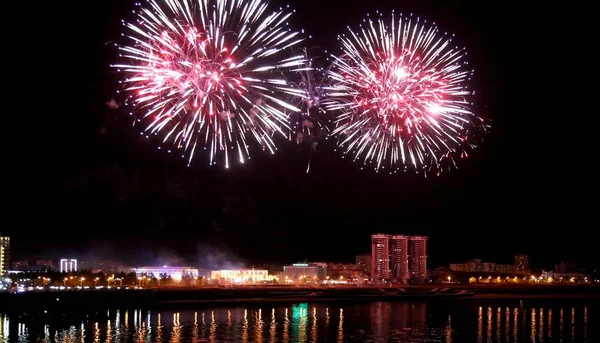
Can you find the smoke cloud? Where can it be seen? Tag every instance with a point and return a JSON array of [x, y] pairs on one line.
[[112, 104], [169, 258], [217, 257]]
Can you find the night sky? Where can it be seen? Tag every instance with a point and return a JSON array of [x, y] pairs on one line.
[[81, 183]]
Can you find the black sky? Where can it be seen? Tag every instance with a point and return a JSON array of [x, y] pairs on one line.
[[82, 183]]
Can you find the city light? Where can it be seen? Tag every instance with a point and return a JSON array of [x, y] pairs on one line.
[[68, 265]]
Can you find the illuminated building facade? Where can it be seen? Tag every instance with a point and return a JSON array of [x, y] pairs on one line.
[[380, 257], [477, 266], [522, 264], [19, 265], [68, 265], [4, 254], [175, 273], [565, 267], [399, 259], [418, 257], [241, 275], [304, 272], [364, 263], [44, 265], [2, 270]]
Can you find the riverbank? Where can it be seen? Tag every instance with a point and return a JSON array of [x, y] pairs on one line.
[[186, 297]]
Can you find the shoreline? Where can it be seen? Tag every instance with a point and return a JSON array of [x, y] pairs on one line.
[[165, 298]]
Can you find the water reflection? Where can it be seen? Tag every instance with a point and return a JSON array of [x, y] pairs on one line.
[[286, 327], [572, 324], [561, 326], [176, 329], [480, 326], [195, 333], [585, 324], [541, 329], [213, 327], [340, 336], [245, 327], [258, 332], [550, 325], [273, 327], [109, 331], [372, 322], [498, 324], [516, 325], [449, 329], [96, 333], [507, 325], [299, 322], [313, 330], [159, 328], [489, 325]]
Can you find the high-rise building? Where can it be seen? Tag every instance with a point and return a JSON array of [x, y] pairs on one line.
[[380, 257], [4, 254], [68, 265], [522, 263], [364, 263], [399, 259], [1, 260], [418, 257]]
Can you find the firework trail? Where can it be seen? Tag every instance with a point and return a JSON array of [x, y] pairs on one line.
[[400, 96], [309, 124], [209, 74]]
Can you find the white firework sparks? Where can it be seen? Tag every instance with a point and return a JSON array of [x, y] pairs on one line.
[[209, 74], [400, 95]]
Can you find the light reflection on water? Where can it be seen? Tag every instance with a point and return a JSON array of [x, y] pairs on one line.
[[370, 322]]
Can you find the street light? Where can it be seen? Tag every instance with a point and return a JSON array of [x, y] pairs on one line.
[[65, 282], [45, 280], [81, 281], [96, 282]]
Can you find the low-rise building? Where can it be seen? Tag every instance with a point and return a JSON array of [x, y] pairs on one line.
[[241, 276], [299, 272], [176, 273], [478, 266]]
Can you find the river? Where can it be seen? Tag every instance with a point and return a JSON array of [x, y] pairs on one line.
[[459, 321]]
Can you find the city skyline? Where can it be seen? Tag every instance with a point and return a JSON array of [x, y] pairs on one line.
[[399, 264]]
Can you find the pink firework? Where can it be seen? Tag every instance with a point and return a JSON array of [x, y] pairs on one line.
[[207, 74], [400, 95]]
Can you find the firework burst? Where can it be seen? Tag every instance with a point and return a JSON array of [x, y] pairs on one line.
[[400, 95], [208, 74]]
